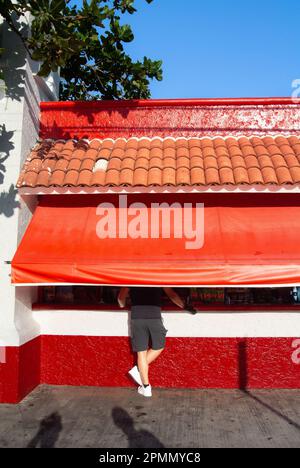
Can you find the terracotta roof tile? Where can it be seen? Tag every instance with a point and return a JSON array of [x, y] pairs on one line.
[[194, 143], [128, 163], [98, 178], [255, 176], [212, 176], [291, 160], [286, 149], [156, 143], [104, 153], [183, 176], [142, 153], [92, 154], [43, 178], [248, 151], [209, 162], [140, 176], [208, 151], [106, 144], [155, 176], [196, 151], [132, 144], [183, 161], [265, 161], [279, 161], [120, 143], [169, 143], [261, 150], [280, 141], [156, 162], [274, 150], [168, 161], [197, 176], [156, 153], [241, 175], [182, 143], [114, 163], [169, 176], [197, 161], [206, 143], [78, 153], [244, 141], [119, 153], [74, 164], [112, 177], [71, 177], [35, 165], [295, 173], [221, 151], [284, 175], [87, 163], [85, 177], [61, 164], [141, 163], [226, 175], [183, 152], [269, 175], [251, 161], [238, 161], [94, 145], [231, 142], [224, 161], [145, 143], [126, 177], [57, 178]]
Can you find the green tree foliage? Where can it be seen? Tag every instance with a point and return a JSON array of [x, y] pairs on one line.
[[87, 43]]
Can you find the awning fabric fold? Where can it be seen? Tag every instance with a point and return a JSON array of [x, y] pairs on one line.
[[249, 239]]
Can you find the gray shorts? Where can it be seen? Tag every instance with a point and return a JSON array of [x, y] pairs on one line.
[[143, 329]]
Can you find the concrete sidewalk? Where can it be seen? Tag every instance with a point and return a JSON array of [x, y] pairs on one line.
[[119, 417]]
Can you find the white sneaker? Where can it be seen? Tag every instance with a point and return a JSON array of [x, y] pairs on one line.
[[145, 391], [134, 372]]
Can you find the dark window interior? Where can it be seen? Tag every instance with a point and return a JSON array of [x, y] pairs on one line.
[[103, 296]]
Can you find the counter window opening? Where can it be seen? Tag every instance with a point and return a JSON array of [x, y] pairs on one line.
[[105, 297]]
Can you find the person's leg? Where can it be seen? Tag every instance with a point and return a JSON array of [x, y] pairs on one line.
[[153, 354], [143, 366]]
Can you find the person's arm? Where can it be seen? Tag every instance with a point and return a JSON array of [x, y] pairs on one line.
[[174, 297], [122, 297]]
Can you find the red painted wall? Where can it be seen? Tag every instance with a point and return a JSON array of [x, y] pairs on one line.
[[21, 371], [185, 363], [192, 117]]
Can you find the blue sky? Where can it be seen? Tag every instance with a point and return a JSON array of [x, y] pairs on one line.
[[219, 48]]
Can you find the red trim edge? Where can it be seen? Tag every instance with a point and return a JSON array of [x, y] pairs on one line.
[[243, 101]]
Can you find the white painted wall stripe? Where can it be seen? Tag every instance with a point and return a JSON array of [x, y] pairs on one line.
[[178, 324]]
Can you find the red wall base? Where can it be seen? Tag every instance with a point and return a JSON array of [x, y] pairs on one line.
[[20, 373], [185, 363]]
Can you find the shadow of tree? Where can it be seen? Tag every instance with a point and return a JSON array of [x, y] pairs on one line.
[[136, 439], [243, 384], [6, 145], [12, 64], [48, 432], [8, 202]]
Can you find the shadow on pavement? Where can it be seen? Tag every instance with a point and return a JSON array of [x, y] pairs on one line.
[[48, 433], [243, 384], [136, 439]]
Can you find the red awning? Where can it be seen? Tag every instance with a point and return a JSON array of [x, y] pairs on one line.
[[249, 239]]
